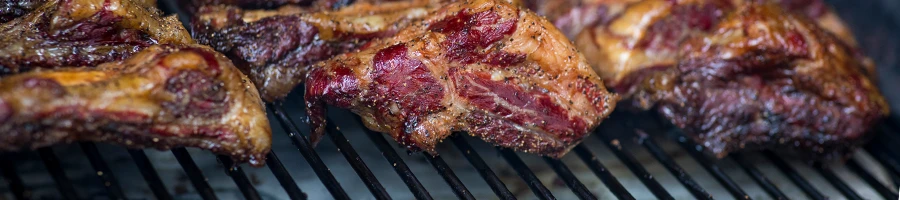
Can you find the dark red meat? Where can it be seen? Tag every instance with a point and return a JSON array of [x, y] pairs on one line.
[[483, 67]]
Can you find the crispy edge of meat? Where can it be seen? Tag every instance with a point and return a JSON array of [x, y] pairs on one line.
[[162, 97]]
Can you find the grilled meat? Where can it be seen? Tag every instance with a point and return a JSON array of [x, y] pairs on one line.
[[10, 9], [277, 47], [485, 67], [62, 33], [162, 97], [738, 74]]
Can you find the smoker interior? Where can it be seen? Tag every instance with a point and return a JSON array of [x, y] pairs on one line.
[[630, 156]]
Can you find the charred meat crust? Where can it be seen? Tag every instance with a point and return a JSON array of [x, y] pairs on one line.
[[70, 33], [482, 67], [277, 47], [801, 89], [162, 97], [739, 74]]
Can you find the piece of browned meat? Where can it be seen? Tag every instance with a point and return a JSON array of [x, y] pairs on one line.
[[277, 47], [63, 33], [485, 67], [10, 9], [162, 97], [739, 74]]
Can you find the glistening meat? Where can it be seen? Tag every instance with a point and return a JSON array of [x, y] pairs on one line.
[[162, 97], [485, 67], [735, 75]]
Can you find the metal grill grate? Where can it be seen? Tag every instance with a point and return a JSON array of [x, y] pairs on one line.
[[881, 149]]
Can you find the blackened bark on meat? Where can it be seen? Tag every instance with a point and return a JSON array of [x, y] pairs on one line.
[[275, 52], [162, 97], [53, 37], [797, 88], [11, 9]]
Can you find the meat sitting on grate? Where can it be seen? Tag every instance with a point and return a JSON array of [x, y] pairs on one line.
[[83, 33], [162, 97], [277, 47], [485, 67], [739, 74]]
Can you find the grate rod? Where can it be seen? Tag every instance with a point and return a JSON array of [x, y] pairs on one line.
[[527, 175], [284, 177], [483, 169], [66, 189], [604, 174], [563, 171], [673, 168], [636, 167], [193, 172], [758, 176], [333, 186], [113, 189], [442, 168], [237, 174], [889, 163], [883, 190], [795, 177], [149, 173], [356, 162], [13, 179], [696, 151], [400, 167], [836, 182]]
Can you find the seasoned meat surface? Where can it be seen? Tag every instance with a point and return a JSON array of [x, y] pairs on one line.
[[485, 67], [277, 47], [10, 9], [162, 97], [738, 74], [63, 33]]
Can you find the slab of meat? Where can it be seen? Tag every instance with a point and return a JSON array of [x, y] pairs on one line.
[[740, 74], [485, 67], [277, 47], [10, 9], [162, 97], [63, 33]]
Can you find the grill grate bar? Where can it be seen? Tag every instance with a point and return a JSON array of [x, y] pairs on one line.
[[886, 160], [333, 186], [284, 177], [114, 190], [444, 170], [758, 176], [608, 179], [13, 179], [193, 172], [399, 166], [356, 162], [66, 189], [149, 173], [570, 179], [237, 174], [527, 175], [795, 177], [837, 182], [635, 166], [483, 169], [695, 150], [674, 168], [883, 190]]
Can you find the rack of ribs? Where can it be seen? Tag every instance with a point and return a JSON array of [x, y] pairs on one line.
[[164, 96], [485, 67], [734, 75], [277, 47], [66, 33]]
